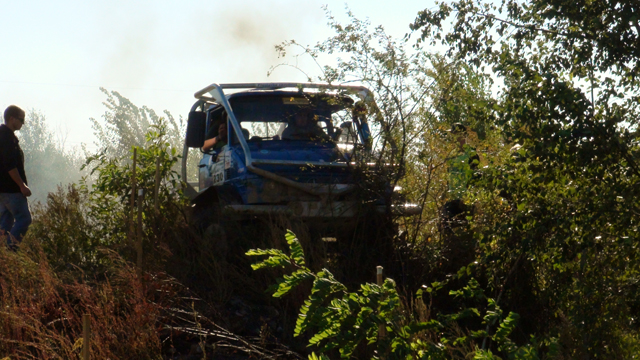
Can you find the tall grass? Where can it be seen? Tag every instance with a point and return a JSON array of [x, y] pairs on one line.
[[41, 316], [67, 267]]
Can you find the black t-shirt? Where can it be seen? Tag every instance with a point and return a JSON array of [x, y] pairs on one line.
[[11, 157]]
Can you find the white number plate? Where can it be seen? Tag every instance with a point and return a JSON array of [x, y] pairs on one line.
[[218, 178]]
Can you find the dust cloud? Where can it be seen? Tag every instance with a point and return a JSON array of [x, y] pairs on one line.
[[130, 54], [242, 38]]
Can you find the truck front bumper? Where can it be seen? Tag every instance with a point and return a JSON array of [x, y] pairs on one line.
[[301, 209], [318, 209]]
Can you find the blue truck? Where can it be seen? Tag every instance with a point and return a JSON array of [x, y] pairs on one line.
[[300, 150]]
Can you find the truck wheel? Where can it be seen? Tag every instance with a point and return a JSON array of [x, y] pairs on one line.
[[216, 235], [208, 225]]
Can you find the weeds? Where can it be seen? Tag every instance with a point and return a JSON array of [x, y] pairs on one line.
[[41, 315]]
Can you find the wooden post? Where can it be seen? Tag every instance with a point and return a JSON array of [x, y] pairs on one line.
[[139, 232], [86, 336], [381, 328], [156, 190], [133, 193]]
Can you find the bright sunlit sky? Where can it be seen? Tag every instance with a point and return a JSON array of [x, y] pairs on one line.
[[55, 55]]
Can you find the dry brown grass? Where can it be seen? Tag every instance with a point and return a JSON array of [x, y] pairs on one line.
[[151, 317], [41, 316]]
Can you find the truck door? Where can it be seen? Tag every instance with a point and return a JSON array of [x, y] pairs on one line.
[[212, 169]]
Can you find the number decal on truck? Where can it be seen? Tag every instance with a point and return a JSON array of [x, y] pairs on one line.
[[218, 177]]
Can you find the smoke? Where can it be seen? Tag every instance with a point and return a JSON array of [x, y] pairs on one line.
[[160, 55], [242, 38], [129, 60], [47, 163]]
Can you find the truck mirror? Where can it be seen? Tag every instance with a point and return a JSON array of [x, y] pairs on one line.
[[196, 127]]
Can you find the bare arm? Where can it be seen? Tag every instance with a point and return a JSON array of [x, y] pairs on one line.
[[210, 143], [15, 175]]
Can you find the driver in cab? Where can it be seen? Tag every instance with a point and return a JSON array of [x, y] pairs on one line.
[[304, 127], [218, 141]]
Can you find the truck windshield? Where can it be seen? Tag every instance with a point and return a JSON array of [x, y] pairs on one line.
[[291, 117]]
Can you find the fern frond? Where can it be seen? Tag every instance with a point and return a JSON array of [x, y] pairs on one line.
[[296, 249], [290, 281], [276, 258]]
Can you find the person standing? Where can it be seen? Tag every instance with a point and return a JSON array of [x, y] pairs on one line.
[[15, 216]]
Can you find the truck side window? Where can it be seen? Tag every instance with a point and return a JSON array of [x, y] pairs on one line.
[[217, 134]]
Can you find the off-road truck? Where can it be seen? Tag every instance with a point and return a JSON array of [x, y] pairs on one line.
[[263, 171]]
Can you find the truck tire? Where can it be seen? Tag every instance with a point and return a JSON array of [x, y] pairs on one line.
[[207, 223]]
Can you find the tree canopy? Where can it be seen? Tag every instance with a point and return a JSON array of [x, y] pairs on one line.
[[558, 232]]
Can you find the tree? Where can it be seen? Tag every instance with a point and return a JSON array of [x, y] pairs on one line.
[[418, 96], [125, 125], [558, 233], [77, 223], [47, 163]]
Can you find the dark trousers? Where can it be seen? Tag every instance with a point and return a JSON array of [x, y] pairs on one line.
[[15, 217]]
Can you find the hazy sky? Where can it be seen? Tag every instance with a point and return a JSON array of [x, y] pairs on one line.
[[55, 55]]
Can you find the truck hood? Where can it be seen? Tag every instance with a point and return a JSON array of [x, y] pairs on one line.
[[294, 150], [300, 151]]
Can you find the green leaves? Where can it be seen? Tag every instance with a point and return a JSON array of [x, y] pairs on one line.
[[342, 321], [291, 281], [567, 93], [295, 247], [339, 319], [278, 259], [471, 291], [313, 356]]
